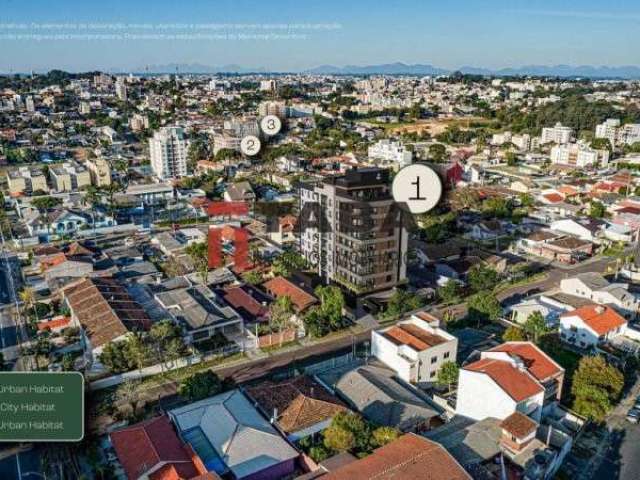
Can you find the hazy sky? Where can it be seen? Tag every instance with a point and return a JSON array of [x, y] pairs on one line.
[[453, 33]]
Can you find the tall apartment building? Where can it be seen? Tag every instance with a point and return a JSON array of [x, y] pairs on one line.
[[121, 89], [558, 134], [168, 151], [279, 109], [351, 230], [579, 155], [26, 180], [618, 134], [69, 176], [268, 85], [138, 122], [100, 172], [29, 104], [393, 154]]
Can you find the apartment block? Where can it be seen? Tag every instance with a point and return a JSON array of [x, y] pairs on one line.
[[100, 171], [70, 176], [415, 348], [168, 151], [351, 230]]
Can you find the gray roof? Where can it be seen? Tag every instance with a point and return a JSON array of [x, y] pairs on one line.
[[242, 438], [375, 392], [197, 307], [470, 442], [593, 280]]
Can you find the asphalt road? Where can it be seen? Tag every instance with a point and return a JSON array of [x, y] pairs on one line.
[[8, 335]]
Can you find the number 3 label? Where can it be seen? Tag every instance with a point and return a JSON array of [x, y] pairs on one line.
[[270, 125]]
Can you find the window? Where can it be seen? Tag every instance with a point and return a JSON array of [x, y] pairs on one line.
[[432, 374], [434, 360], [446, 355]]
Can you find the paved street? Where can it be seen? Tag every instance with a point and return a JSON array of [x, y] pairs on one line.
[[8, 335]]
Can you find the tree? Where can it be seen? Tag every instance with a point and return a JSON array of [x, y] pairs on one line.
[[338, 439], [514, 334], [536, 326], [596, 386], [42, 204], [449, 292], [200, 385], [349, 429], [288, 262], [199, 254], [166, 341], [483, 307], [448, 374], [128, 393], [400, 303], [254, 277], [280, 312], [114, 357], [437, 152], [597, 210], [326, 317], [136, 350], [482, 278], [512, 159], [28, 297], [384, 435]]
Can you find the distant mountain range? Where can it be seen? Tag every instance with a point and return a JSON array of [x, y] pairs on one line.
[[589, 71], [398, 68]]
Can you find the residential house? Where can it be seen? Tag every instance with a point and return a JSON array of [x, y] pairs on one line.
[[591, 325], [104, 311], [594, 287], [151, 450], [415, 348], [239, 192], [202, 313], [299, 407], [409, 457], [512, 377], [381, 397], [281, 287], [231, 437]]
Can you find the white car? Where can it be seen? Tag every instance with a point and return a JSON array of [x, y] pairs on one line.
[[633, 415]]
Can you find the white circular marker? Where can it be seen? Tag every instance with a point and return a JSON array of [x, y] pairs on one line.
[[270, 125], [417, 188], [250, 145]]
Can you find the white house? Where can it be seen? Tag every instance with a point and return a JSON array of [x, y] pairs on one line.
[[591, 325], [512, 377], [585, 229], [394, 153], [595, 287], [415, 348]]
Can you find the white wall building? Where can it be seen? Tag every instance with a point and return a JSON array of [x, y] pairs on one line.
[[595, 287], [168, 151], [618, 134], [557, 134], [578, 155], [512, 377], [394, 153], [591, 325], [415, 348]]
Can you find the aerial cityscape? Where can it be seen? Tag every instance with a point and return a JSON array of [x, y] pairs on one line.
[[248, 241]]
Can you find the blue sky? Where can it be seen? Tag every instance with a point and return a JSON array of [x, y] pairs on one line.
[[485, 33]]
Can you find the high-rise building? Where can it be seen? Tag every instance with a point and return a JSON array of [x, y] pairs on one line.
[[100, 171], [168, 152], [29, 104], [557, 134], [351, 230], [121, 89], [612, 130]]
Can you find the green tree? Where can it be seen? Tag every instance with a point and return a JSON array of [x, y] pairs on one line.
[[449, 292], [199, 255], [338, 439], [42, 204], [596, 386], [513, 334], [400, 303], [536, 327], [326, 317], [115, 358], [483, 307], [482, 278], [280, 312], [437, 152], [287, 263], [357, 426], [385, 435], [200, 385], [253, 277], [597, 209], [448, 374]]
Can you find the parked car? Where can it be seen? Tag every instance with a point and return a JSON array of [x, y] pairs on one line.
[[633, 415]]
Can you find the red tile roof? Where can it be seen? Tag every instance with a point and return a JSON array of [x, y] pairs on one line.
[[413, 336], [539, 364], [600, 318], [143, 446], [409, 457], [518, 384], [518, 425], [553, 197], [239, 299], [54, 323], [280, 287]]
